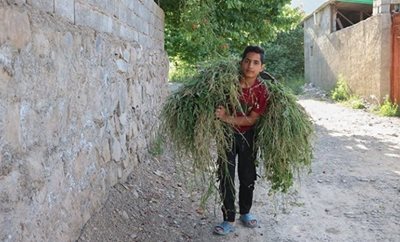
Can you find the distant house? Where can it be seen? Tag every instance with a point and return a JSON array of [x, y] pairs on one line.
[[357, 40]]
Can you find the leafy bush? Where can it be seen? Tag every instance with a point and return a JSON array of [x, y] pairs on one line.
[[342, 91], [180, 72], [295, 83], [285, 55], [389, 109], [356, 102]]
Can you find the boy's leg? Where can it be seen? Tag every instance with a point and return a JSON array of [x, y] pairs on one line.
[[247, 171], [226, 175]]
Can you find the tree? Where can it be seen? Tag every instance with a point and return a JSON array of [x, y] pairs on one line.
[[196, 30], [285, 53]]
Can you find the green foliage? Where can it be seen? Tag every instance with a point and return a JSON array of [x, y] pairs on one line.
[[355, 102], [342, 91], [181, 72], [284, 138], [201, 30], [188, 117], [198, 30], [295, 83], [157, 146], [389, 109], [285, 55]]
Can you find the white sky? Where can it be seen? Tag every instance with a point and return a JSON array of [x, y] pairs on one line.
[[308, 5]]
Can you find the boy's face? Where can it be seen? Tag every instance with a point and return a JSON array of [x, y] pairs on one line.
[[251, 65]]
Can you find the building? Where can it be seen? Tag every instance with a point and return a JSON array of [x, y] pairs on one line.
[[357, 40]]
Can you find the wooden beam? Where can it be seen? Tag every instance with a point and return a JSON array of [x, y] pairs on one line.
[[348, 20]]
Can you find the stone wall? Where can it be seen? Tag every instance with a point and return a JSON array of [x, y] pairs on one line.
[[360, 54], [81, 84]]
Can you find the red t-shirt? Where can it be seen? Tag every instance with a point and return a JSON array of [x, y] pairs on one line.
[[254, 99]]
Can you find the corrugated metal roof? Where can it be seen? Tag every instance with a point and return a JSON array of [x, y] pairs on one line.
[[357, 1]]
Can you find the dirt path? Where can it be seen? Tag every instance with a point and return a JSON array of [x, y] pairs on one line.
[[352, 194]]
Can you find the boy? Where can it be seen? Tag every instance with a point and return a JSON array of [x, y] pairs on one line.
[[253, 98]]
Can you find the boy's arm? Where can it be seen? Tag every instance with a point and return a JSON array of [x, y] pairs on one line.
[[248, 120]]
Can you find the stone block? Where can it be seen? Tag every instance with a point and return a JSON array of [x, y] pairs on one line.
[[160, 38], [133, 20], [142, 27], [144, 40], [6, 66], [111, 178], [105, 150], [17, 2], [145, 3], [86, 16], [152, 32], [128, 33], [116, 28], [41, 45], [17, 37], [12, 131], [124, 15], [153, 6], [126, 163], [135, 4], [109, 6], [44, 5], [119, 10], [159, 12], [116, 151], [122, 66], [5, 77], [126, 55], [145, 28], [128, 4], [99, 4], [65, 9], [143, 13], [120, 172]]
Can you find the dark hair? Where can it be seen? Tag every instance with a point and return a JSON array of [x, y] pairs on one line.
[[255, 49]]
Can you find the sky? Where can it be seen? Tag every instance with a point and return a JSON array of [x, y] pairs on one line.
[[308, 5]]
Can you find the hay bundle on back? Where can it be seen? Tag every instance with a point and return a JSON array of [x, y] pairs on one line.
[[283, 133], [284, 137]]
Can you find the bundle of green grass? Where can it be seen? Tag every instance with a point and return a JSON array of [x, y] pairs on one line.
[[284, 132]]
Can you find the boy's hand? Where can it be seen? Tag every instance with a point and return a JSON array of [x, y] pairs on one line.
[[220, 113]]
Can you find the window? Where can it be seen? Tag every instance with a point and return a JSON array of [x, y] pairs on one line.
[[346, 14]]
